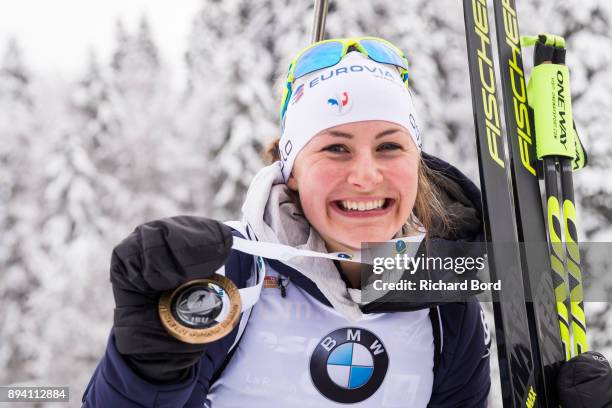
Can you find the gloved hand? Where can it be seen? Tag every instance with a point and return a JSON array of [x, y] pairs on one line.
[[585, 381], [156, 257]]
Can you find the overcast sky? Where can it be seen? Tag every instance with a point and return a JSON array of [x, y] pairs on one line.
[[55, 35]]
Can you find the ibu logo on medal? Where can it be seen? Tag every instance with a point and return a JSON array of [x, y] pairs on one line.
[[348, 365], [202, 310]]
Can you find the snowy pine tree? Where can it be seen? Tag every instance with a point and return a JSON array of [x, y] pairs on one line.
[[19, 178], [149, 145], [94, 106], [71, 265], [237, 52]]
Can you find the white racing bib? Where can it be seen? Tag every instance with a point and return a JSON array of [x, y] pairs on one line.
[[298, 352]]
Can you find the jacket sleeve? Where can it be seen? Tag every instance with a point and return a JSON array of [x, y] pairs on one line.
[[462, 378], [115, 384]]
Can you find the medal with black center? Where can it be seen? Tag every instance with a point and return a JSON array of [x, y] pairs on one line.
[[202, 310]]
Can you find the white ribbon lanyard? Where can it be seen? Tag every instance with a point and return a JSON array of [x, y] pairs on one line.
[[250, 295], [281, 252]]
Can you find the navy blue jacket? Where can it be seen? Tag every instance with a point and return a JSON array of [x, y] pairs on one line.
[[461, 366]]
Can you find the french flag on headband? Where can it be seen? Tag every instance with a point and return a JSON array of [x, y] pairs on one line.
[[299, 92]]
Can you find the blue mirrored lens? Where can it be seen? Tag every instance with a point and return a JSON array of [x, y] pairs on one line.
[[319, 57], [381, 52]]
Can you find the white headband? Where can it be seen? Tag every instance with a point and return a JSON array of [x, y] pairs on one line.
[[356, 89]]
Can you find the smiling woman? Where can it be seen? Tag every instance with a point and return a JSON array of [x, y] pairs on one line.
[[428, 211], [347, 169]]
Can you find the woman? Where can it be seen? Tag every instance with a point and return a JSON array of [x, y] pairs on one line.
[[348, 169]]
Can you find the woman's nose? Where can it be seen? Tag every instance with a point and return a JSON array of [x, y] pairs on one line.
[[364, 171]]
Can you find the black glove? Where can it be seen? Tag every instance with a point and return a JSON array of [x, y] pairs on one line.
[[585, 381], [156, 257]]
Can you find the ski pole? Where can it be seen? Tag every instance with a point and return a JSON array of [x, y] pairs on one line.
[[318, 25], [572, 251], [556, 251], [561, 151]]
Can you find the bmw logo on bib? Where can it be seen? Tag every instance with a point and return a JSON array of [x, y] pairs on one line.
[[348, 365]]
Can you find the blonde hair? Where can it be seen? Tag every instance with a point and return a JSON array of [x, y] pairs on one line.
[[429, 212]]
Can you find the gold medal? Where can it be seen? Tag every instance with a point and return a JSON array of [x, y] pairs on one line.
[[202, 310]]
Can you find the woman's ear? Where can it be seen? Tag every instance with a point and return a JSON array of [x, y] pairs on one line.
[[292, 183]]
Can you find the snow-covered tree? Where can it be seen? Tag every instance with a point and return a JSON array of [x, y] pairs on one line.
[[147, 143], [71, 264], [18, 181], [236, 54], [94, 106], [135, 62]]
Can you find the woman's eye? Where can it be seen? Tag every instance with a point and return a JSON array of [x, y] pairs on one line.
[[336, 148], [389, 146]]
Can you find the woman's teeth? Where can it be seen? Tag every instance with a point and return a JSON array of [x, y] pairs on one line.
[[362, 205]]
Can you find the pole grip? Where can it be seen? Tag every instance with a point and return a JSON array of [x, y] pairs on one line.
[[550, 98]]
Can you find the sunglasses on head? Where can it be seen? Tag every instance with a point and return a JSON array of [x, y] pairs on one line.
[[327, 53]]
